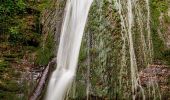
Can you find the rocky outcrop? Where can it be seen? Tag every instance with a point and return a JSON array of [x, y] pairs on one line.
[[52, 17]]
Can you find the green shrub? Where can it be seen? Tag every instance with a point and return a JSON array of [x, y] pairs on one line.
[[46, 52], [20, 5], [43, 56], [16, 36]]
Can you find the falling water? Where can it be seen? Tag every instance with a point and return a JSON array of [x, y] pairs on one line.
[[131, 50], [130, 13], [68, 52], [127, 25]]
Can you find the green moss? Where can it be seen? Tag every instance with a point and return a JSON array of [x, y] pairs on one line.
[[11, 86], [3, 64], [8, 96], [46, 52], [159, 47], [83, 52], [39, 6], [22, 31], [43, 5]]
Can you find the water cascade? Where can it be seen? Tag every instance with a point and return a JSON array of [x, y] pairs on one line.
[[116, 48], [68, 52], [139, 15], [121, 42], [127, 30]]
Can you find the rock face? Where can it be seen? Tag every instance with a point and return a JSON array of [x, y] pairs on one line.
[[52, 17], [156, 74]]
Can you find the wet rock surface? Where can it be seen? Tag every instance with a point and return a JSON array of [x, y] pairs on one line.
[[156, 74]]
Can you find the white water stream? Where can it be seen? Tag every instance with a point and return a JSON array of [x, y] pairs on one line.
[[68, 52], [130, 12]]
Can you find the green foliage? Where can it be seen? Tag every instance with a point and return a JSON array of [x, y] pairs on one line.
[[20, 32], [157, 7], [160, 5], [8, 86], [21, 5], [15, 34], [45, 53], [8, 96], [14, 25], [8, 90], [43, 5], [158, 45], [83, 52], [11, 7], [11, 86]]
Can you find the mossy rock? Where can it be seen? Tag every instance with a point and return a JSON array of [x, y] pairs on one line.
[[46, 52], [43, 56], [8, 96], [11, 86]]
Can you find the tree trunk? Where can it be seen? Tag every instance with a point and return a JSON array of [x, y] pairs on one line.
[[42, 82]]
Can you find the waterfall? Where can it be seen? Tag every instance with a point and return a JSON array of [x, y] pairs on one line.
[[68, 52], [131, 13]]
